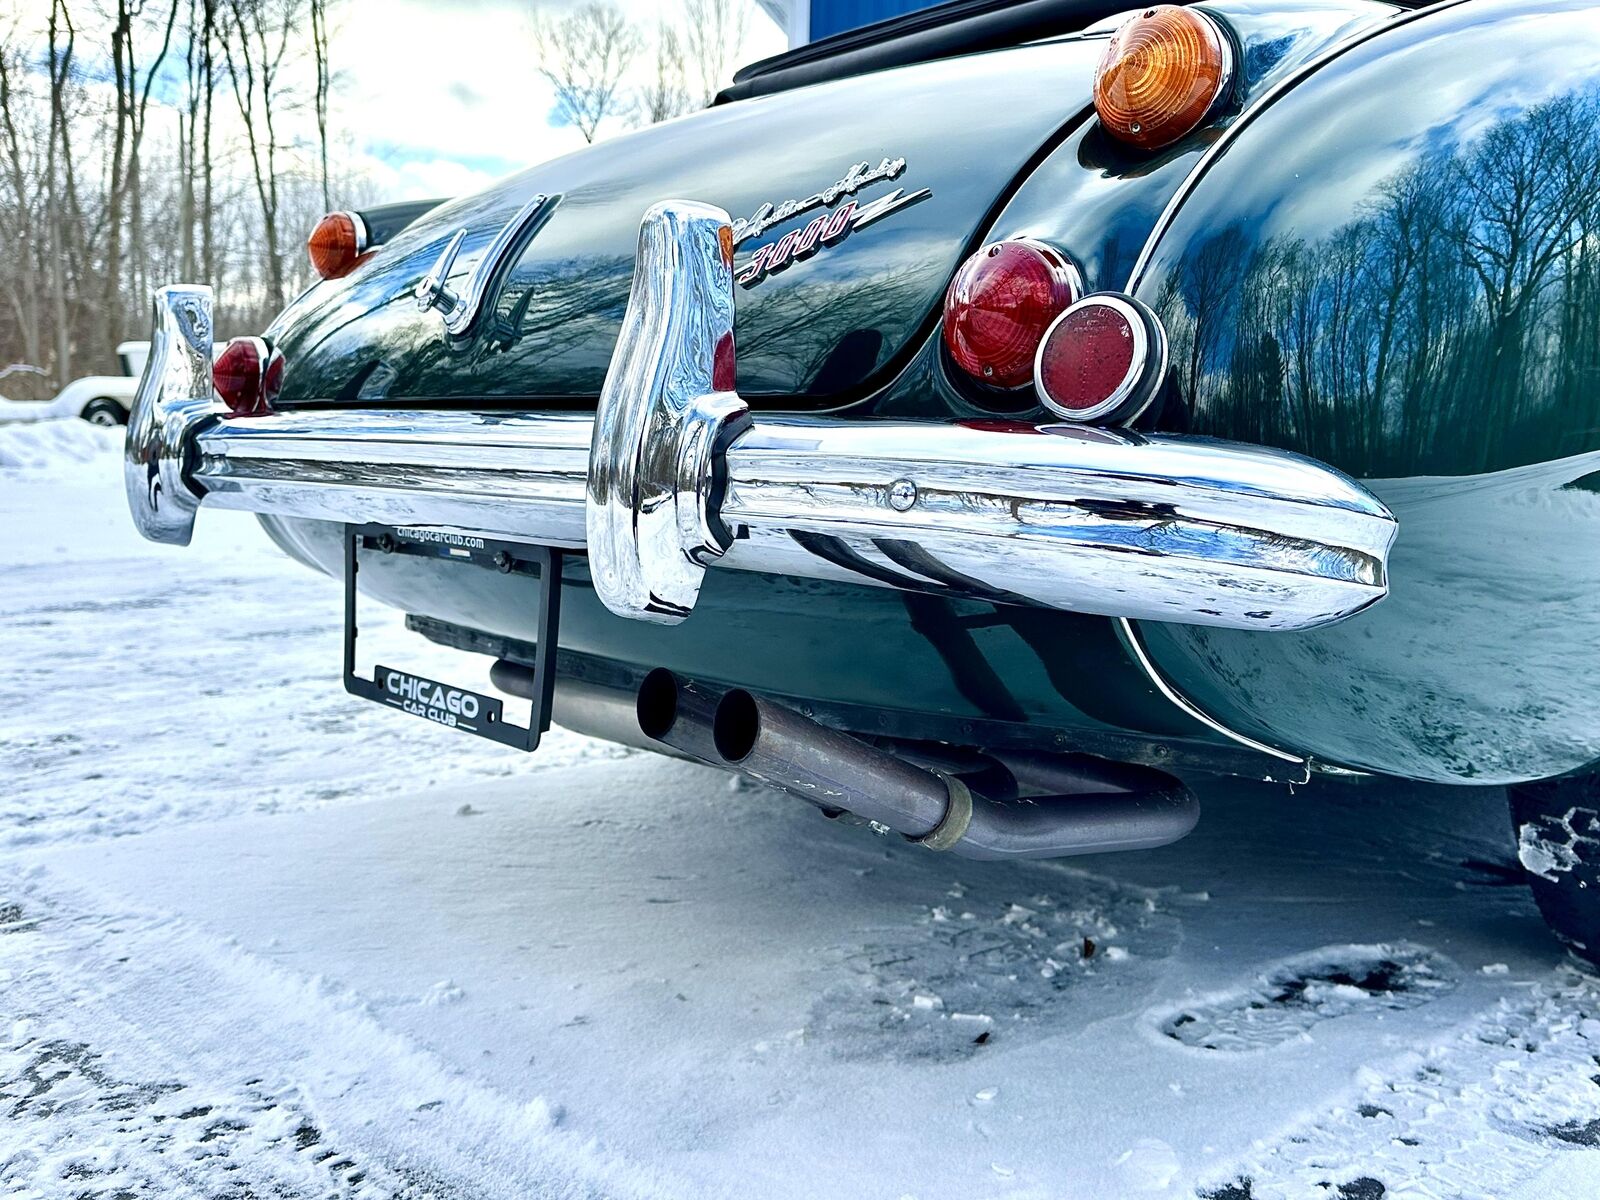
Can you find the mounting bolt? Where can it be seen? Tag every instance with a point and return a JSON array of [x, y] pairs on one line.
[[902, 495]]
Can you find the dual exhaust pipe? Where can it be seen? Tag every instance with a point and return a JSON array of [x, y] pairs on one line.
[[1091, 806]]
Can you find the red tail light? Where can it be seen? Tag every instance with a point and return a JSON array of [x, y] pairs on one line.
[[337, 243], [1102, 359], [247, 375], [999, 305]]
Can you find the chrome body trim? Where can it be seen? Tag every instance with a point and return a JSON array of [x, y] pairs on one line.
[[1129, 636], [662, 419], [175, 396], [672, 476], [363, 234], [460, 310]]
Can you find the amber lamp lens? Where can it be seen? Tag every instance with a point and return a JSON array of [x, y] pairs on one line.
[[334, 245], [999, 305], [1161, 73]]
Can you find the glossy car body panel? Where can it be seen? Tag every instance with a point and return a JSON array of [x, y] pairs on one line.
[[1331, 285], [1069, 678], [833, 329], [1413, 295], [806, 331]]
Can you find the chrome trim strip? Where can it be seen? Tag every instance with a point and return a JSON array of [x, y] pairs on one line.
[[175, 396], [1135, 646], [672, 476], [459, 311], [662, 419]]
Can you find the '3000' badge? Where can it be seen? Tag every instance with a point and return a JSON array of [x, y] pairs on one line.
[[825, 229]]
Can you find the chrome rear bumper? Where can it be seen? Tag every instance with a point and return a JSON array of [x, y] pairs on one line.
[[673, 475]]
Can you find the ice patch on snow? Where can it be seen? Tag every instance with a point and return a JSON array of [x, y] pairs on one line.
[[942, 985], [1306, 990], [1548, 847]]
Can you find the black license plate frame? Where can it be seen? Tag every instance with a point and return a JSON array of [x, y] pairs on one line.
[[445, 704]]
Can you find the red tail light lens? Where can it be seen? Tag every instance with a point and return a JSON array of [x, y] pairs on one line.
[[999, 305], [336, 244], [1102, 359], [247, 376], [1161, 73]]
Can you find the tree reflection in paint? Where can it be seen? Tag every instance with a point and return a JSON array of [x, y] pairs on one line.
[[1451, 327]]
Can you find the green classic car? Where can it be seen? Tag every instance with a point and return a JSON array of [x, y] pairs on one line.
[[983, 422]]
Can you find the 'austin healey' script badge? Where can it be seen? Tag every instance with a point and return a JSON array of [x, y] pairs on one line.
[[825, 229]]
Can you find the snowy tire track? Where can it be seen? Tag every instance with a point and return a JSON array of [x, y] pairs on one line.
[[144, 1058]]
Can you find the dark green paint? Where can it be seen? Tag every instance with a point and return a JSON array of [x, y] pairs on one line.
[[1396, 269], [1331, 288]]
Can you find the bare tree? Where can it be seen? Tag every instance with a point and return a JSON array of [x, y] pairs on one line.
[[133, 103], [584, 56], [319, 49], [666, 95], [712, 38], [256, 56], [19, 215]]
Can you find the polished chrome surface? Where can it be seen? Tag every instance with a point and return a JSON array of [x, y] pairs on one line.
[[1172, 529], [661, 419], [175, 396], [1089, 520], [494, 474], [671, 475], [460, 310]]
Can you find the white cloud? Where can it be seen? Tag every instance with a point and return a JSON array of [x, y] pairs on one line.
[[439, 98]]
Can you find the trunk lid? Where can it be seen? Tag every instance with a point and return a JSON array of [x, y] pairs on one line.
[[939, 147]]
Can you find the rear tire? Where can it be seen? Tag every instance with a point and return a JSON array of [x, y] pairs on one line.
[[106, 413], [1557, 824]]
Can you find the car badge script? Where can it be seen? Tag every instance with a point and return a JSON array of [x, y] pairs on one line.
[[826, 228]]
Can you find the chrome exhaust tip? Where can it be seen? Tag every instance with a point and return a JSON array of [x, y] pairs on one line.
[[677, 714]]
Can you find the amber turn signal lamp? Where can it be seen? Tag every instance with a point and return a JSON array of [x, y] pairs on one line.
[[247, 375], [1101, 360], [1000, 302], [1163, 70], [336, 243]]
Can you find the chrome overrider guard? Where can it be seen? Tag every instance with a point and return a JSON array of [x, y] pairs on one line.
[[673, 475]]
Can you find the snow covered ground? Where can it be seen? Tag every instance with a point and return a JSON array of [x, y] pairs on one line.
[[261, 939]]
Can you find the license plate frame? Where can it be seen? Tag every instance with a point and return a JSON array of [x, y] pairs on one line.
[[442, 703]]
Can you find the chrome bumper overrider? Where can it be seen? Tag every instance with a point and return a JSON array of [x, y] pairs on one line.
[[673, 474]]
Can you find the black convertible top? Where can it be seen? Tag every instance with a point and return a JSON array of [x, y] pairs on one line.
[[954, 27], [942, 31]]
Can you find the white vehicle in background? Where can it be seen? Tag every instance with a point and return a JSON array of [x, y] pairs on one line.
[[104, 399], [98, 399]]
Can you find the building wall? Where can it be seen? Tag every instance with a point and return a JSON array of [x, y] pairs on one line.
[[835, 16]]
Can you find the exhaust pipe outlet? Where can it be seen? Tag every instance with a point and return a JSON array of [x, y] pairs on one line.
[[1110, 806], [677, 715]]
